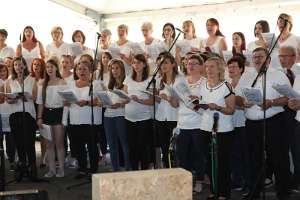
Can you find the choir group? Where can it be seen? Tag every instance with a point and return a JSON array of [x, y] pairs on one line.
[[95, 106]]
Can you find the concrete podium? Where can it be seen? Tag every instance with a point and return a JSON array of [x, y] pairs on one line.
[[160, 184]]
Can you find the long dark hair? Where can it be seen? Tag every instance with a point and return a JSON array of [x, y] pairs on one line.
[[25, 69], [146, 69], [47, 78], [113, 83], [215, 22], [100, 76], [173, 29], [243, 46], [33, 37], [170, 57]]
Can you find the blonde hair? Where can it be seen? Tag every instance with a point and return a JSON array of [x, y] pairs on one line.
[[289, 19], [189, 22], [220, 65], [56, 28], [148, 25]]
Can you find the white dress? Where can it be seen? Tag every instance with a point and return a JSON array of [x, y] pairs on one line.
[[30, 55]]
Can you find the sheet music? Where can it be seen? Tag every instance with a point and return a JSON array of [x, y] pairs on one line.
[[151, 94], [76, 49], [121, 94], [287, 91], [253, 95], [115, 52], [68, 95], [270, 39], [136, 48], [46, 132], [104, 98]]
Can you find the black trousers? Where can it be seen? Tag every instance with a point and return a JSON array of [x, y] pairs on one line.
[[23, 127], [224, 154], [164, 134], [140, 142], [276, 146], [10, 146], [85, 135], [190, 151]]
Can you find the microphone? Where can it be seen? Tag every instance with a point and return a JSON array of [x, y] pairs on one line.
[[179, 30], [98, 34], [216, 120]]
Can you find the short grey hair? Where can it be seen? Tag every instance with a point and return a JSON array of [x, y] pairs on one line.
[[106, 31], [148, 24]]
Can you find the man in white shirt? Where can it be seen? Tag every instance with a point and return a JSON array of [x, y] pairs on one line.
[[276, 142], [295, 146], [287, 57]]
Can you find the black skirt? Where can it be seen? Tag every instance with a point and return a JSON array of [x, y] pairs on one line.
[[52, 116]]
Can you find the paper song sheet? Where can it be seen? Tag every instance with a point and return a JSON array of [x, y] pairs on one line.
[[287, 91], [68, 95], [104, 98], [121, 94], [46, 132], [253, 95]]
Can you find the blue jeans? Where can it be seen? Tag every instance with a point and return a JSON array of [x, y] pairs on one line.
[[115, 131]]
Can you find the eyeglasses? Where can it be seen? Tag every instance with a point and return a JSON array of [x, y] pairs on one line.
[[258, 57], [193, 64], [283, 56]]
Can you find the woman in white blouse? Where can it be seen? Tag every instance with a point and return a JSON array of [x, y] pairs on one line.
[[5, 110], [58, 47], [167, 108], [190, 152], [218, 94], [22, 119], [30, 47], [50, 111], [216, 41], [138, 115], [260, 27], [81, 129], [114, 121], [169, 35]]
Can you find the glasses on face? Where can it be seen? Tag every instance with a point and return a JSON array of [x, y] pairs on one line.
[[284, 56], [193, 64]]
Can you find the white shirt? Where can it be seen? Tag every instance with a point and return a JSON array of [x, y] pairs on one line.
[[30, 55], [238, 117], [252, 45], [216, 95], [135, 111], [122, 49], [53, 99], [5, 110], [297, 89], [274, 77], [215, 47], [187, 118], [82, 115], [164, 111], [153, 50], [185, 45], [118, 112], [17, 88], [63, 49], [6, 52], [295, 69]]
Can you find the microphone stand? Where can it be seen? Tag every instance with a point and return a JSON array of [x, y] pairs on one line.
[[91, 93], [214, 155], [152, 82], [263, 72]]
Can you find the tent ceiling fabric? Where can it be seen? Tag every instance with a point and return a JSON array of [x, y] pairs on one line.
[[125, 6]]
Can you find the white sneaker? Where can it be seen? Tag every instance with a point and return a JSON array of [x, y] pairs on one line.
[[49, 174], [60, 173]]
